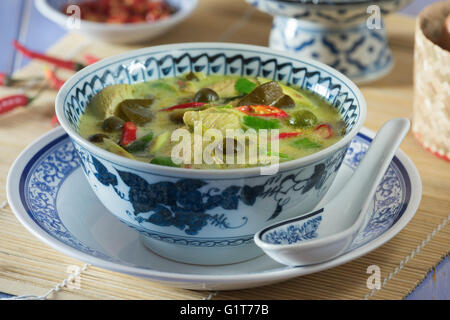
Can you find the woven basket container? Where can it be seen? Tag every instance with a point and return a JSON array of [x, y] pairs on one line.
[[431, 117]]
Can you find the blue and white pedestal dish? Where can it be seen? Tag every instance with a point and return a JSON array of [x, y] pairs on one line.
[[347, 35]]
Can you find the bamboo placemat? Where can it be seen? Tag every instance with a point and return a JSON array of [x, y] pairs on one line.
[[29, 267]]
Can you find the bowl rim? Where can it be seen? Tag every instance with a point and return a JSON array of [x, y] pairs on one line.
[[56, 16], [204, 173]]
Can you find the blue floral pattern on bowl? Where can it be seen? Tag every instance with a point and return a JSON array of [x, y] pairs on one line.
[[48, 170], [185, 203], [217, 211]]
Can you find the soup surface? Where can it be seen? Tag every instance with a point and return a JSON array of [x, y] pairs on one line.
[[210, 122]]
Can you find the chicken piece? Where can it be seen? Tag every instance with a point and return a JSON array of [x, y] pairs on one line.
[[224, 88], [213, 118], [105, 103]]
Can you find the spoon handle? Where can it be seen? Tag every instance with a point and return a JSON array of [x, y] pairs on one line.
[[354, 197]]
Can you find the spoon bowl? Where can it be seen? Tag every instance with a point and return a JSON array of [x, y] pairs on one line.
[[326, 233]]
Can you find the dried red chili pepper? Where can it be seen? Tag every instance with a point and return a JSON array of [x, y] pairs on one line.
[[18, 100], [263, 111], [184, 106], [61, 63], [12, 102], [128, 133], [55, 82]]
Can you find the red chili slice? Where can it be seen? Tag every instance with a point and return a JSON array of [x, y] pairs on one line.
[[263, 111], [324, 130], [285, 135], [184, 106], [129, 133]]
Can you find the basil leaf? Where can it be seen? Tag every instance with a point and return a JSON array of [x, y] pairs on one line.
[[164, 161], [278, 154], [140, 144], [305, 143], [258, 123], [244, 86]]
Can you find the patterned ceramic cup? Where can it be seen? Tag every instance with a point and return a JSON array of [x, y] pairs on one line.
[[431, 119], [207, 216]]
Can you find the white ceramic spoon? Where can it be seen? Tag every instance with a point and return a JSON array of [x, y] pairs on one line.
[[326, 233]]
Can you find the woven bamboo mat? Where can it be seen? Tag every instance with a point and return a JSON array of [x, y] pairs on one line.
[[29, 267]]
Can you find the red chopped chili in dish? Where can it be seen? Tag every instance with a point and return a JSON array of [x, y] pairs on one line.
[[128, 133], [124, 11], [263, 111], [184, 106]]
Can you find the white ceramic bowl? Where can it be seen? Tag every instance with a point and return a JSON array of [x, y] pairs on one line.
[[207, 216], [117, 33]]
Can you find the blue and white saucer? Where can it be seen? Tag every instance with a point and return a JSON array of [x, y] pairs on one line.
[[49, 194]]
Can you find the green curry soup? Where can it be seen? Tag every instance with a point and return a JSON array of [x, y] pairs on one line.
[[139, 121]]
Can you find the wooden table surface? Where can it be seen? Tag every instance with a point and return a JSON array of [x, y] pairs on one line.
[[27, 266]]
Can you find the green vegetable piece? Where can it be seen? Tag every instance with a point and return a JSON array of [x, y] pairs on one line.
[[244, 86], [285, 102], [113, 124], [113, 147], [136, 110], [259, 123], [305, 143], [303, 119], [206, 95], [298, 97], [140, 144], [266, 94], [164, 161], [279, 154], [159, 142]]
